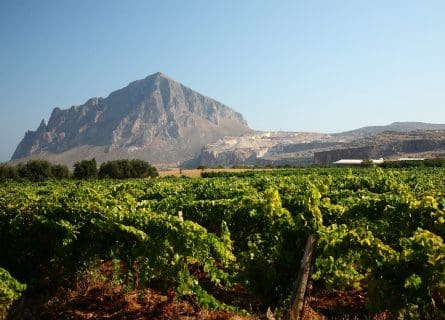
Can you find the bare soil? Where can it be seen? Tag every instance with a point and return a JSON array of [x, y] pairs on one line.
[[196, 173], [95, 296]]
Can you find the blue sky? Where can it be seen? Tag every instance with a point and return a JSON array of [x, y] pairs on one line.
[[293, 65]]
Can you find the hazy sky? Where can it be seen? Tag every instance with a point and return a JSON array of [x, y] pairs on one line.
[[285, 65]]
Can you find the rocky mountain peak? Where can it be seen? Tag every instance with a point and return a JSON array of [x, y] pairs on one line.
[[156, 118], [42, 126]]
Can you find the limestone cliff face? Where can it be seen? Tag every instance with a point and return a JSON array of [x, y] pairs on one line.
[[156, 119]]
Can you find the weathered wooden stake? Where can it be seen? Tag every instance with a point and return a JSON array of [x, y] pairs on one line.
[[297, 300]]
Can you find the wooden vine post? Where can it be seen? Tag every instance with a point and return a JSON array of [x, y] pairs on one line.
[[299, 292]]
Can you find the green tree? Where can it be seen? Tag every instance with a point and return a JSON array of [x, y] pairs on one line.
[[85, 169], [60, 171], [8, 172], [124, 169], [142, 169], [35, 170], [111, 170]]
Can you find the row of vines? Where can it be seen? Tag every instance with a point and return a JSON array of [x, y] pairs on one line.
[[380, 231]]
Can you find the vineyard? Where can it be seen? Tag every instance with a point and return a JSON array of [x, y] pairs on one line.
[[379, 232]]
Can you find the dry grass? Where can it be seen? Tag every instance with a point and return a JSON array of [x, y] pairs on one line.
[[196, 173]]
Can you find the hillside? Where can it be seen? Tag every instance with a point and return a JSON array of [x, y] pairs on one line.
[[395, 126], [303, 148], [266, 148], [389, 145]]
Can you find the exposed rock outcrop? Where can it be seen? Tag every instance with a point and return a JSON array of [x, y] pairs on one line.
[[388, 145], [267, 148]]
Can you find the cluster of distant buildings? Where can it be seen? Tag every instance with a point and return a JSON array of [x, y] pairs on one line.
[[359, 162]]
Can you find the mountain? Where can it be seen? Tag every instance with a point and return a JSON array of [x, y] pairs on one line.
[[156, 119], [164, 122], [304, 148], [395, 127]]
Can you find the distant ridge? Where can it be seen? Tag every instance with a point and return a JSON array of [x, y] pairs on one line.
[[395, 126], [156, 119], [390, 145]]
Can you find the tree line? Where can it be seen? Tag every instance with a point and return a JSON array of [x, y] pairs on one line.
[[40, 170], [427, 163]]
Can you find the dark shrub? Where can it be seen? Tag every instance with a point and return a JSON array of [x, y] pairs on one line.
[[85, 169]]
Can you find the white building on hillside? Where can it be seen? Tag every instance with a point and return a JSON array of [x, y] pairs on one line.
[[356, 162]]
